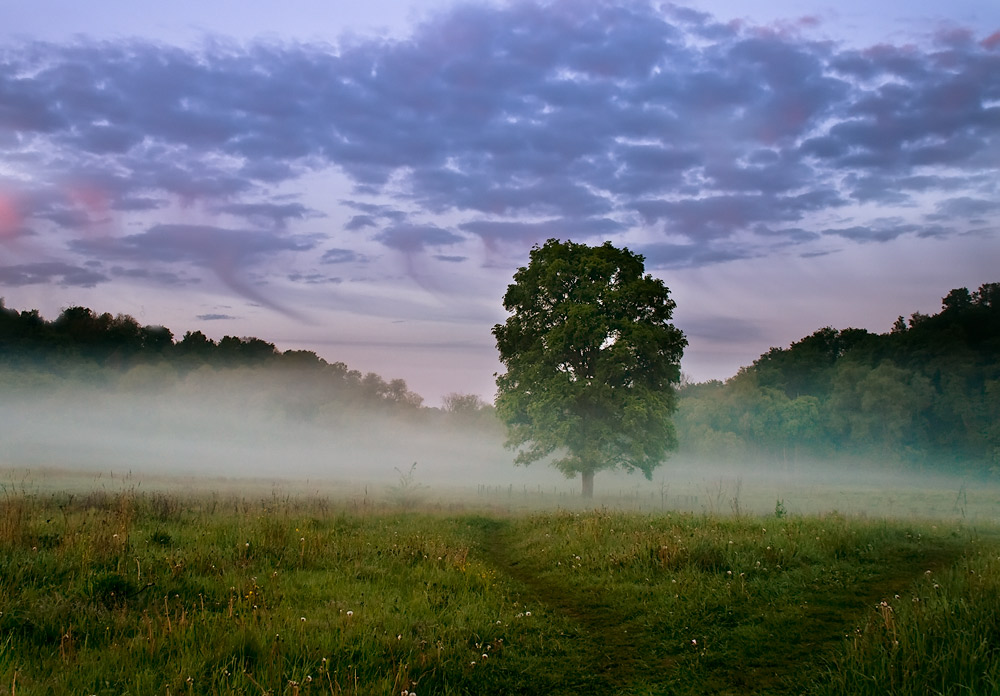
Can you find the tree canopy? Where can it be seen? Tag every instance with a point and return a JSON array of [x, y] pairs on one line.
[[82, 345], [925, 393], [591, 361]]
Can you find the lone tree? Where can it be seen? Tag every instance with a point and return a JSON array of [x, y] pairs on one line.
[[591, 359]]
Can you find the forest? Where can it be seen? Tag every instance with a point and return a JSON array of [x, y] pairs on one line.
[[925, 394], [82, 347]]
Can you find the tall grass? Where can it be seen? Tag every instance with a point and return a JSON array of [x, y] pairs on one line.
[[941, 635], [133, 594], [129, 593]]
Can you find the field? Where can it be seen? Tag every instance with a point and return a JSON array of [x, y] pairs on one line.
[[117, 591]]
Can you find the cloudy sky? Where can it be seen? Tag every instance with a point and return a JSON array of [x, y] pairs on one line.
[[362, 179]]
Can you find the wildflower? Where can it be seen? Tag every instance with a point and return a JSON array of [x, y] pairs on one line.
[[350, 613], [694, 642], [302, 619], [527, 613], [485, 656]]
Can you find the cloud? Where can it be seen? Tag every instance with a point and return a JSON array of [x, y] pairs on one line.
[[723, 329], [527, 233], [511, 120], [161, 277], [360, 222], [314, 279], [50, 272], [338, 255], [882, 230], [974, 209], [275, 215], [201, 245], [665, 255], [411, 239], [228, 253], [215, 317]]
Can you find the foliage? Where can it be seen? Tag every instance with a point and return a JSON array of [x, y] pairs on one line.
[[83, 347], [925, 393], [591, 359]]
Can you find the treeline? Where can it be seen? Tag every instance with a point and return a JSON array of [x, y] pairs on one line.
[[81, 347], [926, 393]]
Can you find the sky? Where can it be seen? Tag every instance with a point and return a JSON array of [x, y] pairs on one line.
[[363, 179]]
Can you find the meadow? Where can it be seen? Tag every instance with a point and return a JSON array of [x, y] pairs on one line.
[[118, 590]]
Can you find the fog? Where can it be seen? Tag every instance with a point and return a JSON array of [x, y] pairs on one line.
[[236, 431], [230, 426]]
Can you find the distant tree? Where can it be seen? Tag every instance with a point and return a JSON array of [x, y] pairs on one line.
[[592, 360], [469, 410], [958, 300], [246, 351], [463, 403], [302, 359], [398, 392], [157, 339], [988, 295], [196, 345]]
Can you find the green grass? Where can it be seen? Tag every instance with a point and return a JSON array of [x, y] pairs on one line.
[[128, 593]]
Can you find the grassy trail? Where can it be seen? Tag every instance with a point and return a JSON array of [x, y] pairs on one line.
[[614, 654], [605, 655]]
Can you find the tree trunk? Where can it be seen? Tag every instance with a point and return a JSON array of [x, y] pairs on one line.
[[588, 484]]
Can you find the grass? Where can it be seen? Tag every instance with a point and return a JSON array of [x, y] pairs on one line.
[[152, 593]]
